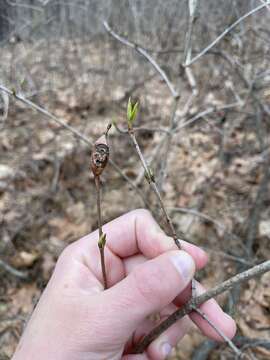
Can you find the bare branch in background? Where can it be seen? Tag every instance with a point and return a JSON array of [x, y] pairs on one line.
[[143, 52], [267, 6], [204, 113], [204, 217], [227, 31], [23, 5], [192, 7]]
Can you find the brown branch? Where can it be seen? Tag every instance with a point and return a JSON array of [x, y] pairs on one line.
[[151, 180], [102, 238], [195, 302]]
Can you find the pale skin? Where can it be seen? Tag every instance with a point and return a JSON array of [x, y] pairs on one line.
[[76, 319]]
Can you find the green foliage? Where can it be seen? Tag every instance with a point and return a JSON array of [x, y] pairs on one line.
[[132, 110], [102, 241]]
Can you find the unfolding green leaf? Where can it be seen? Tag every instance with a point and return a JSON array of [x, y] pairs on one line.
[[132, 110]]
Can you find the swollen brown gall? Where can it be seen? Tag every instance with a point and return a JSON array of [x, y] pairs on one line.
[[100, 155]]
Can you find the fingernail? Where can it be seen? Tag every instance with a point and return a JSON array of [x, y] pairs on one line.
[[166, 349], [184, 264]]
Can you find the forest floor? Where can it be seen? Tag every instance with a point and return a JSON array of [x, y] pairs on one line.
[[214, 167]]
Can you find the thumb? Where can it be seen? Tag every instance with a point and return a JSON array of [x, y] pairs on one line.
[[148, 289]]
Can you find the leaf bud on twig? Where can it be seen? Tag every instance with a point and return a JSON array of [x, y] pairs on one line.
[[132, 110], [102, 241]]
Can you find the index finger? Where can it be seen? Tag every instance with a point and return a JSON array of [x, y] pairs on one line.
[[138, 233]]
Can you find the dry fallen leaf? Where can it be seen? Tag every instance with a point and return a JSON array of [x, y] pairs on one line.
[[24, 259]]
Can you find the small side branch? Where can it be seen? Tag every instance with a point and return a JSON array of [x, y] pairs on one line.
[[151, 180], [145, 54], [197, 301], [226, 31]]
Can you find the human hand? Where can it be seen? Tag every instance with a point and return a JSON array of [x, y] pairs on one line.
[[76, 319]]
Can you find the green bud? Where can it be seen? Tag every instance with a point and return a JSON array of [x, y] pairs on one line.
[[114, 122], [102, 241], [132, 110]]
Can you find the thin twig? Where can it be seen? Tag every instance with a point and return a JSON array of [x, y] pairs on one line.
[[144, 53], [226, 31], [168, 143], [151, 159], [246, 342], [204, 113], [192, 17], [218, 331], [152, 183], [141, 128], [229, 256], [249, 84], [205, 217], [101, 247], [264, 2], [195, 302]]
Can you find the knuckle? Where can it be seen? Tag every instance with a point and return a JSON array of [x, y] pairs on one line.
[[66, 254], [141, 214]]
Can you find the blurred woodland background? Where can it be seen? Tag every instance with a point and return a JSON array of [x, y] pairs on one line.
[[209, 148]]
